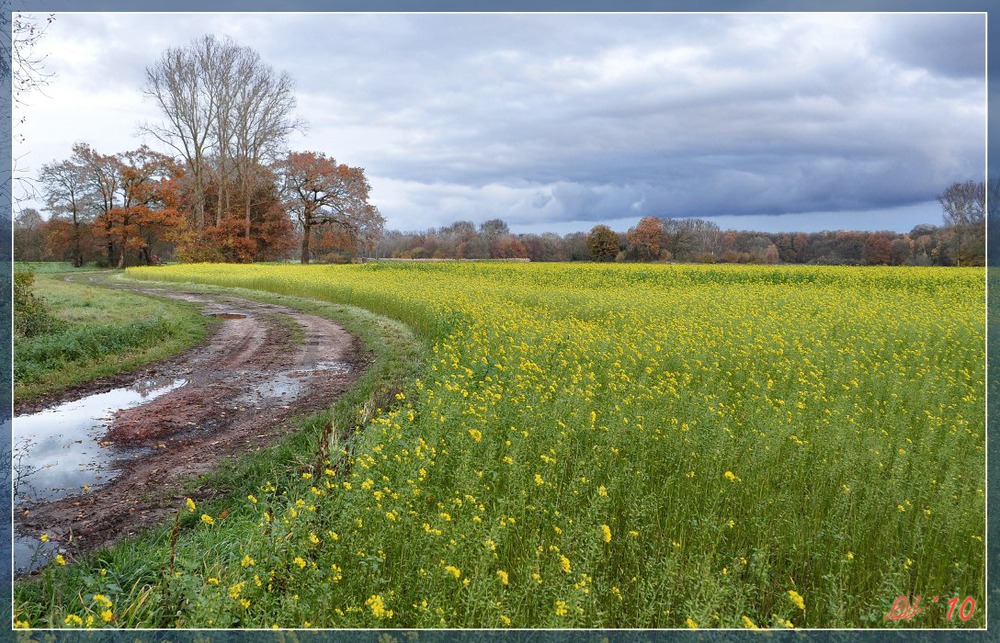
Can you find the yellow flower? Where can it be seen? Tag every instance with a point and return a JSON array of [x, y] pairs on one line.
[[102, 600], [377, 605], [454, 571], [730, 476], [252, 498], [561, 608], [539, 480], [208, 520], [564, 564], [107, 616], [190, 505], [850, 555], [298, 561], [44, 538], [796, 599], [73, 619], [21, 625], [503, 577], [307, 476], [247, 561], [749, 624], [606, 533], [601, 491], [476, 435], [60, 560], [212, 581], [690, 623]]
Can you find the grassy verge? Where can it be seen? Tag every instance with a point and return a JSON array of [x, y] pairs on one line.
[[101, 332], [152, 577]]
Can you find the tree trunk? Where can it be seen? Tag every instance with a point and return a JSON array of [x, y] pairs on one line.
[[199, 200], [306, 229], [247, 197], [77, 254]]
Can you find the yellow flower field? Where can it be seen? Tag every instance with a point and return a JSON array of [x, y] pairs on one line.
[[636, 446]]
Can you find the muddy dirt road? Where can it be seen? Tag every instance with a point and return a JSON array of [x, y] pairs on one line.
[[263, 365]]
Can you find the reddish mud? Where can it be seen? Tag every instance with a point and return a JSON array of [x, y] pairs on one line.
[[263, 365]]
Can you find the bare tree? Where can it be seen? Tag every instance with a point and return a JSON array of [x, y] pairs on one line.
[[964, 205], [65, 185], [261, 113], [29, 236], [182, 87], [228, 113]]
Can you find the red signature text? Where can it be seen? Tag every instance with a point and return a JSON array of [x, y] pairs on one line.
[[903, 609]]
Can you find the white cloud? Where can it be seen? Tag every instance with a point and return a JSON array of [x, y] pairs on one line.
[[548, 119]]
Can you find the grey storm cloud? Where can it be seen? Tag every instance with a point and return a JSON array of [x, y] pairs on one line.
[[563, 117]]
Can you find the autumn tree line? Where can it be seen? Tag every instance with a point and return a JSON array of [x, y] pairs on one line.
[[959, 241], [225, 188]]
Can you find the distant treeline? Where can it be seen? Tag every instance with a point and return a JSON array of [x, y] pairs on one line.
[[960, 241], [692, 240]]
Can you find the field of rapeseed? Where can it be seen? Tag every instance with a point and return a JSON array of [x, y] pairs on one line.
[[626, 446]]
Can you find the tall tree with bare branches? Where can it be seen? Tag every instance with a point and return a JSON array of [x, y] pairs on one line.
[[181, 84], [227, 114]]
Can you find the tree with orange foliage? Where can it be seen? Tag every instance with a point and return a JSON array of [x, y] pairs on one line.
[[102, 184], [877, 249], [148, 202], [645, 240], [320, 192]]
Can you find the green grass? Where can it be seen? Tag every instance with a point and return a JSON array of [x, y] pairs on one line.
[[136, 571], [102, 332], [51, 267], [615, 446]]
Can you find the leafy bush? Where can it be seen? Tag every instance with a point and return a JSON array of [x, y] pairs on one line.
[[31, 316]]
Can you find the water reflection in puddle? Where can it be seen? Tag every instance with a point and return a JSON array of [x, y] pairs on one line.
[[286, 386], [58, 452]]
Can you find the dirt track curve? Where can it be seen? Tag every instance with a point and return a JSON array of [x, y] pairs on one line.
[[264, 364]]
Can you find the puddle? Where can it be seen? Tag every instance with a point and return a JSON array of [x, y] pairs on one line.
[[228, 316], [286, 386], [58, 452]]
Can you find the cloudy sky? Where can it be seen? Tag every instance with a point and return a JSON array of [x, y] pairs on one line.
[[790, 121]]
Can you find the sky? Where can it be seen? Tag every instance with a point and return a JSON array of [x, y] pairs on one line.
[[558, 122]]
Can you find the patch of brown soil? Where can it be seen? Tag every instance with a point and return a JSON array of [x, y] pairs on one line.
[[252, 375]]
